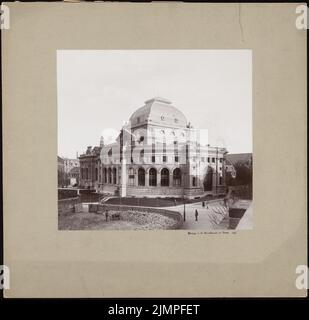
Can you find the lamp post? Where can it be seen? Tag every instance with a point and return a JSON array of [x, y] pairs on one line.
[[216, 171], [184, 209]]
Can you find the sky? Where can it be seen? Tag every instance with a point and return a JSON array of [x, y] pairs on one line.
[[100, 89]]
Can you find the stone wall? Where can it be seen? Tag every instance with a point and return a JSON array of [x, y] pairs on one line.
[[154, 192], [151, 192], [168, 213], [109, 189], [66, 206]]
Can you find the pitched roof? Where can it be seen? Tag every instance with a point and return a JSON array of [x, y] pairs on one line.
[[60, 159], [74, 170]]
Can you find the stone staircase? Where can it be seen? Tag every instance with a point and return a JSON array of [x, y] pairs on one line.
[[218, 212]]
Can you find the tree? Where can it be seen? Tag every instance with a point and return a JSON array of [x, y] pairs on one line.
[[243, 175]]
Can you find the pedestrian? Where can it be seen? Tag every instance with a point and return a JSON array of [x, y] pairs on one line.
[[196, 214], [106, 215], [203, 204]]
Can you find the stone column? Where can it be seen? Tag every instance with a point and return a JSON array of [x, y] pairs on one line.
[[171, 179], [123, 188], [146, 178], [158, 179], [182, 179]]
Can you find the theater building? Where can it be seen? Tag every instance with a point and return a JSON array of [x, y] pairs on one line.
[[159, 154]]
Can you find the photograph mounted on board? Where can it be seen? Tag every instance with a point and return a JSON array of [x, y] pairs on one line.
[[154, 139]]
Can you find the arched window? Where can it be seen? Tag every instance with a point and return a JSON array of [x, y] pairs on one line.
[[142, 153], [141, 177], [194, 182], [177, 177], [109, 175], [131, 177], [114, 176], [152, 177], [165, 175], [105, 175]]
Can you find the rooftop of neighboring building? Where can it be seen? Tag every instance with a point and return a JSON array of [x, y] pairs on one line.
[[91, 151], [74, 170], [60, 159]]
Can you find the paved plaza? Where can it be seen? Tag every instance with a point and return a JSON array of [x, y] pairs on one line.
[[214, 216]]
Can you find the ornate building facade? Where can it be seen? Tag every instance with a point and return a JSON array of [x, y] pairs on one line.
[[159, 154], [90, 168], [69, 164]]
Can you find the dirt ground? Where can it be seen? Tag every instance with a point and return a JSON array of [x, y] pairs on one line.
[[128, 221]]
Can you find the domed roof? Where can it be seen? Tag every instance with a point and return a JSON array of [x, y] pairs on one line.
[[158, 111]]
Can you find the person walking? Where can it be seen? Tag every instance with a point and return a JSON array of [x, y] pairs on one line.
[[196, 214]]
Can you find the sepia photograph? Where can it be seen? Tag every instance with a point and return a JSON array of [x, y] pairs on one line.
[[154, 153], [154, 139]]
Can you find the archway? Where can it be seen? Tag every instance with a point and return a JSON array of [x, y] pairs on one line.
[[153, 177], [109, 175], [177, 177], [141, 177], [165, 176], [114, 176]]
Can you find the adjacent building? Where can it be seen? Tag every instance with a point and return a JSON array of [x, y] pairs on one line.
[[60, 164], [69, 164], [61, 174], [73, 176], [90, 168]]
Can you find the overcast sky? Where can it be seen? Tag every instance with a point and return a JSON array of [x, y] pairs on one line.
[[100, 89]]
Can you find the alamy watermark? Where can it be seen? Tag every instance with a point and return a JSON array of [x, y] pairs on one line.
[[301, 22], [301, 281], [5, 17], [4, 277]]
